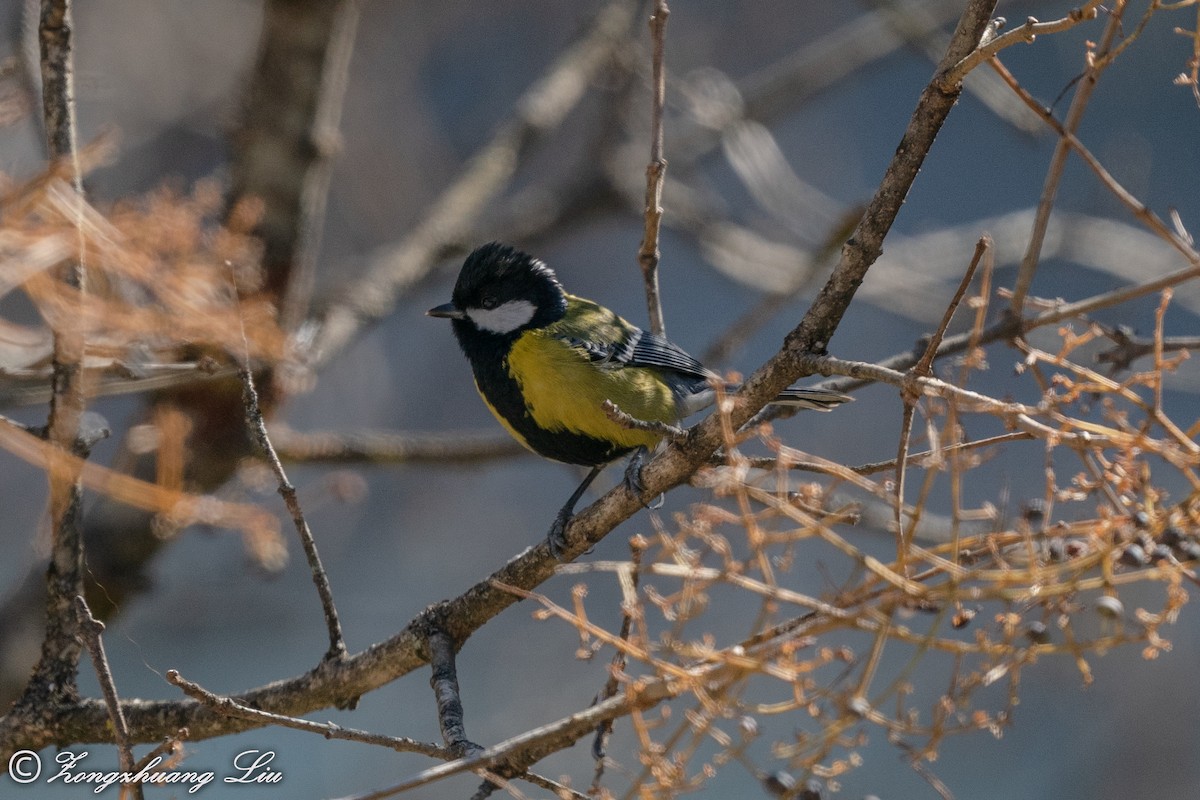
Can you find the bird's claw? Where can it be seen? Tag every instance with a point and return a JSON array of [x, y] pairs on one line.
[[633, 477], [556, 539], [633, 472]]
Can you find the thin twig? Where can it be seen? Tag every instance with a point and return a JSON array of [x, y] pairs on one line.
[[559, 790], [1180, 242], [1008, 327], [656, 171], [550, 737], [613, 412], [1159, 368], [826, 365], [922, 459], [227, 706], [170, 744], [90, 629], [1058, 160], [932, 457], [629, 604], [1026, 33], [258, 429], [923, 369], [179, 507], [1129, 346], [443, 679], [917, 762], [913, 20]]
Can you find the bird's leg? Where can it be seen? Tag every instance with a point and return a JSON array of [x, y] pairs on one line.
[[633, 476], [633, 471], [556, 539]]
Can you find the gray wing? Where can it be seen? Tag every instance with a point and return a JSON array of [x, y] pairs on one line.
[[643, 349], [687, 377]]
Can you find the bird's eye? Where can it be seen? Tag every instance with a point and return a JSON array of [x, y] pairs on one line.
[[489, 302]]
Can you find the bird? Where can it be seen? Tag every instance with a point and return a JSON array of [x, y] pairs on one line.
[[545, 361]]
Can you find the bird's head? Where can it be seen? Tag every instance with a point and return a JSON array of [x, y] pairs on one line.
[[501, 291]]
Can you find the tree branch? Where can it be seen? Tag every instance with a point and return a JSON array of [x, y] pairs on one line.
[[1058, 160], [443, 679], [54, 676], [91, 629], [231, 708], [288, 135], [656, 171], [1024, 34], [258, 429]]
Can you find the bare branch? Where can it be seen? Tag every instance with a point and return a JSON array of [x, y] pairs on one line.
[[229, 707], [91, 629], [613, 412], [1026, 33], [1058, 160], [443, 679], [545, 739], [58, 84], [54, 676], [288, 136], [630, 607], [258, 428], [1129, 347], [1136, 207], [648, 253], [923, 369], [915, 22]]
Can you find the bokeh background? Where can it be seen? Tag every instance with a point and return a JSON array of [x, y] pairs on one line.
[[429, 85]]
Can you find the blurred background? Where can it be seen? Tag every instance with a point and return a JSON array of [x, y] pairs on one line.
[[781, 119]]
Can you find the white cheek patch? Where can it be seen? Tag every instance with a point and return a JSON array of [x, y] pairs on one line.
[[504, 318]]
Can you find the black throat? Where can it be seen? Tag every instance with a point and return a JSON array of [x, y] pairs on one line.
[[488, 355]]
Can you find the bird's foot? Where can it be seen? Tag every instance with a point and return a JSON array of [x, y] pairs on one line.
[[633, 477], [633, 472], [556, 539]]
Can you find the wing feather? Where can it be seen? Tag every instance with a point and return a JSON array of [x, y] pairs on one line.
[[606, 338], [656, 351], [640, 349]]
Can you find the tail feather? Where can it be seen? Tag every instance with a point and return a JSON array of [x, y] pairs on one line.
[[693, 398], [817, 399]]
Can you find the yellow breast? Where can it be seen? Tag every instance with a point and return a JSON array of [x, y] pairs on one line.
[[564, 391]]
